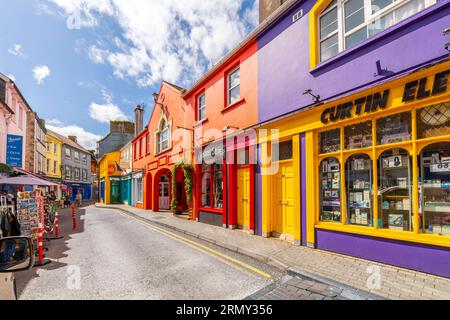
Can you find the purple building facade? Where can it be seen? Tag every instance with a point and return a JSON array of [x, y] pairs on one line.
[[296, 93]]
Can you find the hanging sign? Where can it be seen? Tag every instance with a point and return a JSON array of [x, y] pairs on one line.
[[14, 150]]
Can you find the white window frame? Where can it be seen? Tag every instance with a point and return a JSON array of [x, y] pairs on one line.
[[369, 18], [68, 173], [84, 158], [69, 154], [229, 87], [159, 133], [201, 108], [76, 176], [75, 158]]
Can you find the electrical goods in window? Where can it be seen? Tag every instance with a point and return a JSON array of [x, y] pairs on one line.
[[435, 189], [358, 135], [394, 129], [330, 183], [394, 190], [330, 141], [359, 190]]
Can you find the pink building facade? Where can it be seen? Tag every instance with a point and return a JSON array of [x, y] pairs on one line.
[[13, 119]]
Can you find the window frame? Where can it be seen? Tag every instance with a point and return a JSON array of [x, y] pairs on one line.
[[199, 108], [228, 86], [369, 18]]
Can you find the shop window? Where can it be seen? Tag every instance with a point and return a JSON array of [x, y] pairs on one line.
[[358, 135], [433, 121], [359, 190], [346, 23], [330, 141], [212, 186], [330, 190], [393, 129], [139, 190], [394, 190], [435, 189], [283, 150]]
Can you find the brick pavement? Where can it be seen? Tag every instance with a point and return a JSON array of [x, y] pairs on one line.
[[395, 282]]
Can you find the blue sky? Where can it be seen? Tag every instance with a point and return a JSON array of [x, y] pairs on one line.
[[80, 63]]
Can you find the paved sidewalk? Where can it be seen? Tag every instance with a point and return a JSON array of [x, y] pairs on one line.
[[331, 268]]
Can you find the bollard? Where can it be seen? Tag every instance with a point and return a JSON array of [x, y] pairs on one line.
[[74, 217], [40, 244], [56, 225]]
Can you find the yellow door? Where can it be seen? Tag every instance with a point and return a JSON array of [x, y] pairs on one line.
[[283, 214], [243, 198]]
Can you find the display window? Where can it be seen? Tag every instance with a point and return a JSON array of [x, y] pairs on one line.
[[284, 149], [435, 189], [330, 190], [330, 141], [358, 135], [359, 189], [394, 190], [394, 128], [212, 186], [396, 172]]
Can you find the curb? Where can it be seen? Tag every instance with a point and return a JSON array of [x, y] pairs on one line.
[[347, 291]]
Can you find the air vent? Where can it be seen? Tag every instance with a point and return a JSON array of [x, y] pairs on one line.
[[297, 16]]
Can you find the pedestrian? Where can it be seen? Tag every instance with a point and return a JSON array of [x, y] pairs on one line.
[[79, 198]]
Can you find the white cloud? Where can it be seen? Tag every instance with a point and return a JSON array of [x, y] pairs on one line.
[[85, 138], [40, 73], [106, 112], [97, 55], [17, 50], [172, 39]]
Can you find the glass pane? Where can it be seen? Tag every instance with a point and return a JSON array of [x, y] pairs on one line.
[[381, 24], [284, 151], [409, 9], [329, 48], [234, 95], [330, 141], [330, 190], [328, 23], [433, 121], [359, 190], [234, 78], [354, 14], [206, 189], [202, 114], [395, 128], [218, 189], [435, 189], [358, 135], [394, 190], [356, 38], [377, 5]]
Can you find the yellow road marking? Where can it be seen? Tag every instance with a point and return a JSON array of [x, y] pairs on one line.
[[202, 248]]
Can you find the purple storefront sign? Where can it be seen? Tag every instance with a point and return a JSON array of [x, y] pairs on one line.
[[419, 257]]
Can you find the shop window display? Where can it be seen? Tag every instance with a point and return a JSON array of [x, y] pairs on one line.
[[435, 189], [359, 190], [394, 128], [330, 193], [394, 190], [284, 151], [212, 186], [330, 141], [358, 136], [433, 121]]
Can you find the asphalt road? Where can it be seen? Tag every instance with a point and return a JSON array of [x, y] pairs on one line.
[[112, 256]]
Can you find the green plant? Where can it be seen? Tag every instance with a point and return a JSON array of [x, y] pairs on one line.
[[188, 174]]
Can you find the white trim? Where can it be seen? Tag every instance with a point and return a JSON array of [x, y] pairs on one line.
[[229, 87]]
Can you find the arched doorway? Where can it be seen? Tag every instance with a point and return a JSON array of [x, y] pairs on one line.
[[162, 190]]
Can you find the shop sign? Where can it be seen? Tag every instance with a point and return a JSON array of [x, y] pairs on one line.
[[213, 153], [14, 150], [138, 175], [413, 90]]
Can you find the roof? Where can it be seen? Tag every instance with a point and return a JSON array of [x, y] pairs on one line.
[[263, 26], [175, 86], [67, 141], [6, 78]]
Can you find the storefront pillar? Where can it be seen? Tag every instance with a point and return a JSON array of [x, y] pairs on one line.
[[297, 188], [198, 190], [415, 173], [312, 191], [232, 187], [266, 181]]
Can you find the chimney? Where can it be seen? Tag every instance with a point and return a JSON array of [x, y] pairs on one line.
[[73, 138], [138, 120], [267, 7]]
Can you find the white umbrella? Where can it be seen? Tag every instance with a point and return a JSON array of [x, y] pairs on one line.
[[27, 181]]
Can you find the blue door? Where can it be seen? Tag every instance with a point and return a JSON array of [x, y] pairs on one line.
[[102, 190]]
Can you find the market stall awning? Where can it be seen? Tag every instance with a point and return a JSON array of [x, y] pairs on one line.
[[27, 181]]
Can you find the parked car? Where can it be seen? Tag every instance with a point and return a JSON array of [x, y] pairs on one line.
[[16, 254]]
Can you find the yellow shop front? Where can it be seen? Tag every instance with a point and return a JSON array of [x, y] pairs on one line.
[[367, 175]]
